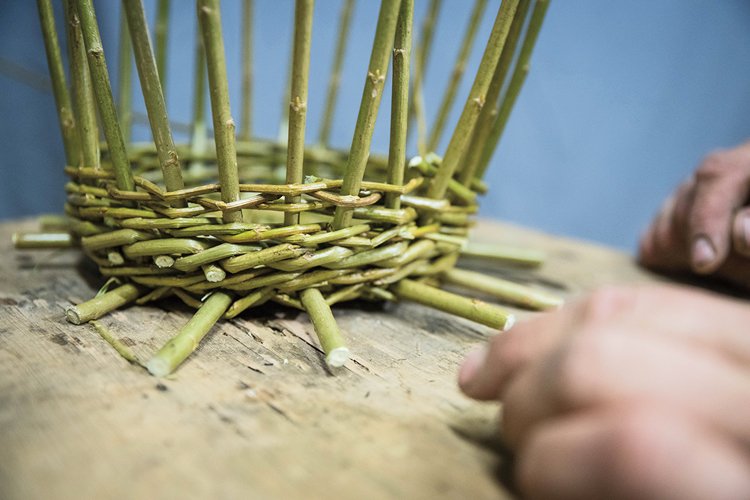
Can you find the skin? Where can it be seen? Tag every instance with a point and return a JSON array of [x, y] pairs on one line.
[[705, 226], [639, 392], [617, 396]]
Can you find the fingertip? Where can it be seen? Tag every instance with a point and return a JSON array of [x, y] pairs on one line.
[[470, 367]]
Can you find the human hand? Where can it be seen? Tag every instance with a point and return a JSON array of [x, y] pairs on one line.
[[630, 393], [705, 226]]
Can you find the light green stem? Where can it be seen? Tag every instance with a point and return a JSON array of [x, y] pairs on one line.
[[161, 32], [125, 87], [503, 289], [458, 71], [59, 87], [476, 99], [186, 341], [153, 97], [473, 309], [516, 83], [39, 241], [400, 101], [213, 41], [416, 108], [84, 101], [303, 14], [329, 335], [334, 80], [246, 120], [509, 255], [103, 91], [368, 109], [101, 305], [489, 111]]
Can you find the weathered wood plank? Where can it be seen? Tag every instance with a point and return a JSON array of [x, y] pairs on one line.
[[254, 413]]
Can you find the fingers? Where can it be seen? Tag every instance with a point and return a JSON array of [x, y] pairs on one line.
[[681, 314], [664, 245], [640, 452], [721, 187], [624, 367]]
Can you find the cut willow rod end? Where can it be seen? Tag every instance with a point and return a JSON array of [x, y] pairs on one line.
[[338, 357], [158, 367]]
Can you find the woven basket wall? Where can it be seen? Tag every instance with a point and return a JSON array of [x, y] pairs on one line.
[[230, 221]]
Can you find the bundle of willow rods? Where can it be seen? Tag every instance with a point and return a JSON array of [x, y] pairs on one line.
[[230, 222]]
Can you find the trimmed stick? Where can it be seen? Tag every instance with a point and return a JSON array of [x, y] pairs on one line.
[[154, 98], [40, 241], [489, 112], [226, 154], [101, 305], [187, 339], [303, 14], [400, 102], [116, 344], [161, 31], [475, 100], [125, 87], [505, 254], [103, 92], [458, 72], [59, 87], [368, 109], [247, 71], [329, 335], [334, 81], [503, 289], [473, 309], [516, 83], [84, 101]]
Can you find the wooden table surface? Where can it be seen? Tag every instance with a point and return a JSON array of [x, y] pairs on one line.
[[253, 413]]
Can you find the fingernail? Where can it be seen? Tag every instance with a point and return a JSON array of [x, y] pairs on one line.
[[704, 253], [471, 365]]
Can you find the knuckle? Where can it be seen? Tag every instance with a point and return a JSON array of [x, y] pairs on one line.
[[575, 380], [714, 165], [636, 441], [605, 303]]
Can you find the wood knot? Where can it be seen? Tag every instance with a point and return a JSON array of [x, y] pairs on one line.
[[297, 104]]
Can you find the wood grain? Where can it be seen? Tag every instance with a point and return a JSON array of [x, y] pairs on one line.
[[254, 413]]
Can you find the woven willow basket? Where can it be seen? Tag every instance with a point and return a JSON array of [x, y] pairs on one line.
[[229, 222]]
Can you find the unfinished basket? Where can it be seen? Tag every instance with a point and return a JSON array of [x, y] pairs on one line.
[[231, 223]]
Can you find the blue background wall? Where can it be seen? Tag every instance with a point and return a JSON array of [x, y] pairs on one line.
[[623, 100]]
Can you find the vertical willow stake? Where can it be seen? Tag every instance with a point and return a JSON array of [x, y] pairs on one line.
[[152, 95], [59, 87], [125, 87], [103, 91], [416, 107], [475, 100], [161, 31], [84, 103], [198, 137], [368, 108], [334, 81], [458, 72], [399, 101], [295, 153], [246, 124], [226, 154], [489, 111], [516, 82]]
